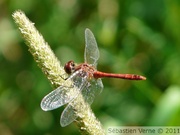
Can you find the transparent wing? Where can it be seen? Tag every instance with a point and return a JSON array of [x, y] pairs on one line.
[[65, 93], [91, 54], [89, 93], [68, 116], [94, 88]]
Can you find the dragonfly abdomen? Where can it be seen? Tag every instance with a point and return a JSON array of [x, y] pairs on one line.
[[98, 74]]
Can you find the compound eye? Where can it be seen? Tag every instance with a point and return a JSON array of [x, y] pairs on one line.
[[69, 67], [72, 66]]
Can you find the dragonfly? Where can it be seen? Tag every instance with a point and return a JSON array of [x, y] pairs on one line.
[[83, 78]]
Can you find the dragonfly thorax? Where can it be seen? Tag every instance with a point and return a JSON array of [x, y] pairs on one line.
[[87, 70]]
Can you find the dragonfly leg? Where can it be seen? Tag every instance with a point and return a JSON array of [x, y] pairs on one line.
[[64, 76]]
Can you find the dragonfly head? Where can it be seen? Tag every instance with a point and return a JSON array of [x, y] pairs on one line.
[[69, 67]]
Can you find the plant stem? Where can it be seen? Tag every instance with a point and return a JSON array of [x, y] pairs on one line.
[[47, 61]]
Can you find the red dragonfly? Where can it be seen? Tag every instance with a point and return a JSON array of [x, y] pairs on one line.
[[83, 78]]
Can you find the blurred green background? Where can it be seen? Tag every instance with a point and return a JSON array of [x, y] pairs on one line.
[[134, 36]]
